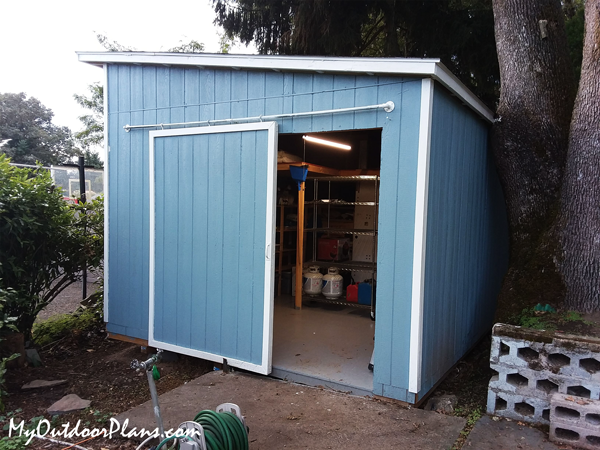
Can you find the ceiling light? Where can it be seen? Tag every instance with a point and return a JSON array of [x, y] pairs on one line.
[[325, 142]]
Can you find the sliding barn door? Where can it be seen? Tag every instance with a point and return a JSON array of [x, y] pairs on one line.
[[212, 197]]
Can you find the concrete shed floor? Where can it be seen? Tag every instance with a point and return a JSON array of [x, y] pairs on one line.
[[285, 415]]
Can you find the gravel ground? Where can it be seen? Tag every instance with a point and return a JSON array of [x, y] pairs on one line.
[[69, 299]]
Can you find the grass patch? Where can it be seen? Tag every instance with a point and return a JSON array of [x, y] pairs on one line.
[[550, 321]]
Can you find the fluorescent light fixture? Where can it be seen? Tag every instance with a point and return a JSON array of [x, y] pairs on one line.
[[325, 142]]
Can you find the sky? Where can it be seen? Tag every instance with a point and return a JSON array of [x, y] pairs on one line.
[[39, 38]]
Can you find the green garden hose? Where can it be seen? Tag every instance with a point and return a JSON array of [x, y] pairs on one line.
[[223, 431]]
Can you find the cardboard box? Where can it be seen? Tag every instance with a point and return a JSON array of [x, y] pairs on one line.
[[334, 249]]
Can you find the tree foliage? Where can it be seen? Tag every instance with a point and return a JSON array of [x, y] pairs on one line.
[[459, 32], [31, 135], [92, 134], [44, 242]]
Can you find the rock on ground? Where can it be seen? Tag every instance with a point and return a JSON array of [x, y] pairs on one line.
[[68, 403]]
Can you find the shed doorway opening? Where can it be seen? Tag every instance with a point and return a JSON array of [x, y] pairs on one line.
[[323, 332]]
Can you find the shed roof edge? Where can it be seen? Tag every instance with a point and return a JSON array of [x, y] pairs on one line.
[[432, 68]]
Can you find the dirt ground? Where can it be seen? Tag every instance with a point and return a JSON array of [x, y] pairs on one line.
[[98, 369]]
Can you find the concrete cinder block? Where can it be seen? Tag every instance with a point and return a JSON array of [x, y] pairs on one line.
[[541, 384], [570, 410], [558, 353], [575, 436], [518, 407]]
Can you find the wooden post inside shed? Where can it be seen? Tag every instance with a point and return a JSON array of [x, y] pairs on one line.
[[299, 246]]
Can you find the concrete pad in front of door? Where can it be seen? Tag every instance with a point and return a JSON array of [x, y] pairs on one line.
[[285, 415]]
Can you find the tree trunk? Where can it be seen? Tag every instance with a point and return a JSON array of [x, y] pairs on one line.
[[580, 208], [530, 141]]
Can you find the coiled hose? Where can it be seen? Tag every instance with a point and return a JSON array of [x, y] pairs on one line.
[[222, 431]]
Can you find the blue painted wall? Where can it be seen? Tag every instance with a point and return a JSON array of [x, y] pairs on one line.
[[147, 94], [467, 238]]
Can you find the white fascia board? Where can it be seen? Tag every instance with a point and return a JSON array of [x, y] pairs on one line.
[[405, 66], [431, 68], [449, 80]]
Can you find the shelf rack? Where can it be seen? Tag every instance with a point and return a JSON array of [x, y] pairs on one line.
[[330, 203], [322, 173]]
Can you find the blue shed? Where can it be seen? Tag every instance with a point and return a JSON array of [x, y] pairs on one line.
[[196, 229]]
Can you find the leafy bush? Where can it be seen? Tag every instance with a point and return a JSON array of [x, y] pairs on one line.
[[44, 242], [62, 325]]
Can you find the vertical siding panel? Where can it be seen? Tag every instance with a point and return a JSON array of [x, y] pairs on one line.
[[116, 306], [288, 102], [177, 95], [222, 94], [239, 94], [183, 200], [159, 249], [322, 100], [163, 115], [246, 269], [274, 93], [256, 93], [163, 112], [199, 245], [231, 242], [343, 97], [303, 84], [192, 95], [122, 233], [149, 105], [207, 94], [366, 93], [139, 276], [167, 314], [260, 212], [216, 145]]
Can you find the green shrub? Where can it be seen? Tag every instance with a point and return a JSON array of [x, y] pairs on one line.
[[44, 242], [62, 325]]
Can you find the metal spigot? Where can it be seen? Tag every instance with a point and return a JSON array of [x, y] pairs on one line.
[[146, 365]]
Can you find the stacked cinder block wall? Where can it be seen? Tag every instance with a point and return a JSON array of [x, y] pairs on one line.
[[531, 366]]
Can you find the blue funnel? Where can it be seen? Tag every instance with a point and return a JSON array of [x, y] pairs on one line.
[[299, 174]]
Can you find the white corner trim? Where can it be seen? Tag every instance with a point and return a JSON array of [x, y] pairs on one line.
[[430, 67], [420, 238], [269, 289], [106, 199]]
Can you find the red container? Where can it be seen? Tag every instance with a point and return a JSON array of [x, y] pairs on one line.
[[334, 249], [352, 293]]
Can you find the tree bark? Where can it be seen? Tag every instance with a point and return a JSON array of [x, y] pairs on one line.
[[580, 207], [529, 142]]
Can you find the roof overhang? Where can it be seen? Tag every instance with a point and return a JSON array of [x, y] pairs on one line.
[[431, 68]]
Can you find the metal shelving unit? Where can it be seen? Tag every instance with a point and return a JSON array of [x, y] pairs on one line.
[[323, 207], [281, 251]]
